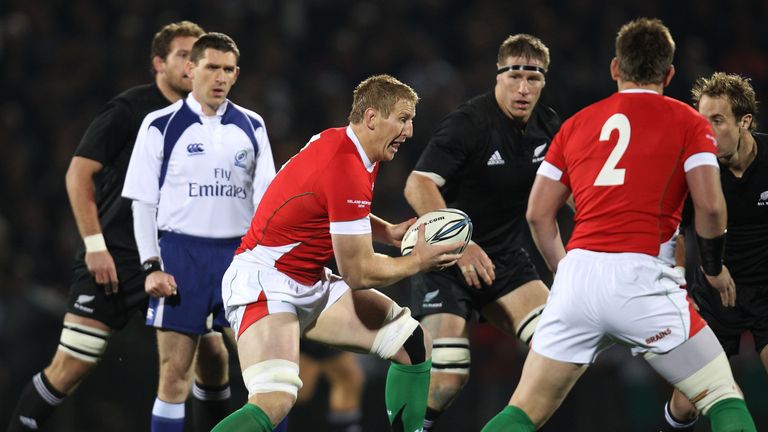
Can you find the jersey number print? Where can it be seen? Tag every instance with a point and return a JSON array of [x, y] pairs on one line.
[[610, 175]]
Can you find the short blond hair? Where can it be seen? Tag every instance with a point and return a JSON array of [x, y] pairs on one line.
[[380, 92], [736, 89]]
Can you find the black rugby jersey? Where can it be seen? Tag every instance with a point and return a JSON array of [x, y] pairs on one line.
[[109, 139], [746, 242], [489, 164]]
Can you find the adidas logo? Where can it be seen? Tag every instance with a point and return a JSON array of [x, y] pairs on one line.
[[495, 159]]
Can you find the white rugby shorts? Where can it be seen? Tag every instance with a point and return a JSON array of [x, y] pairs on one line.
[[600, 299], [251, 291]]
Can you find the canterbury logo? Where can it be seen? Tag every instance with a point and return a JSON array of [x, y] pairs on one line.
[[195, 148]]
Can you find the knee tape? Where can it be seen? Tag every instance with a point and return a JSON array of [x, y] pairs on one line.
[[710, 384], [450, 355], [397, 328], [528, 325], [83, 342], [272, 376], [699, 369]]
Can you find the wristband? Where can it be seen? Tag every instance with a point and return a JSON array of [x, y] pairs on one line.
[[151, 266], [95, 243], [712, 251]]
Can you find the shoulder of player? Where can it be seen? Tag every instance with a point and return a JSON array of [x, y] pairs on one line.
[[168, 111], [141, 98], [255, 118]]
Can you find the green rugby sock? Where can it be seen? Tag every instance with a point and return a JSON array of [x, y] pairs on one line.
[[510, 419], [731, 415], [248, 418], [406, 395]]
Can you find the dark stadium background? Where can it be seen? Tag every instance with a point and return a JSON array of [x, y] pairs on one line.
[[61, 60]]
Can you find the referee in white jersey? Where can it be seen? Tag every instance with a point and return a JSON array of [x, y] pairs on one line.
[[197, 173]]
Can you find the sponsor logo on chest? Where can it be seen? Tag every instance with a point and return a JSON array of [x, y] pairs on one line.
[[195, 149], [763, 200]]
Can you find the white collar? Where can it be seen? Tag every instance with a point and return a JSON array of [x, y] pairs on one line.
[[639, 90], [197, 108], [367, 162]]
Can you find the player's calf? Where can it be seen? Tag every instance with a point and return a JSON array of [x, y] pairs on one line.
[[450, 372]]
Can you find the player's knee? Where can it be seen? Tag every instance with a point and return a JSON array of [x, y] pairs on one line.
[[451, 357], [82, 342], [212, 365], [527, 326], [269, 376], [699, 369], [710, 384], [400, 330]]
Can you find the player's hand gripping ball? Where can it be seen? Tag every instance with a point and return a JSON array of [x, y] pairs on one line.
[[441, 226]]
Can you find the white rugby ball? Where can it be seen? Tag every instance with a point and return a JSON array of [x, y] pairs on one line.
[[441, 226]]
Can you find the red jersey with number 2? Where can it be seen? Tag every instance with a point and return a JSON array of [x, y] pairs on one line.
[[623, 158]]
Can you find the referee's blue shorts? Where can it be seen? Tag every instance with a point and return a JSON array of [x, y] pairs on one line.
[[197, 264]]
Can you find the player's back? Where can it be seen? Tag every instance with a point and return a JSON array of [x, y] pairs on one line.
[[623, 158]]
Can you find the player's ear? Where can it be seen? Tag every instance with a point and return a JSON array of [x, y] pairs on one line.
[[158, 64], [370, 117], [615, 69], [189, 68], [668, 76]]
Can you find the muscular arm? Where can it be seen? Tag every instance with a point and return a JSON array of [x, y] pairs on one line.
[[422, 194], [362, 268], [710, 216], [82, 198], [547, 196], [710, 212]]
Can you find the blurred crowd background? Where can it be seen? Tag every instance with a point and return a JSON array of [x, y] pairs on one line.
[[61, 60]]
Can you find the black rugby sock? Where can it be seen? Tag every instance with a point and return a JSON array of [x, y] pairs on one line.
[[430, 417], [36, 405], [210, 405]]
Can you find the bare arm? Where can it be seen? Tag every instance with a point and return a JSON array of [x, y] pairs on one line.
[[362, 268], [710, 217], [387, 233], [82, 198], [423, 194], [546, 198]]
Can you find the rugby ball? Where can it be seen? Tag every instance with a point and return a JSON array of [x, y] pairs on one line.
[[441, 226]]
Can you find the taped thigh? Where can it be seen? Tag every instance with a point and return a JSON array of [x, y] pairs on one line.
[[272, 376], [397, 328], [451, 355], [527, 325], [83, 342], [699, 369]]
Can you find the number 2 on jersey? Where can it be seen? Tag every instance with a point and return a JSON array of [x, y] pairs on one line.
[[610, 175]]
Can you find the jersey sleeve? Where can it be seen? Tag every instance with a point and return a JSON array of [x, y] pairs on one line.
[[347, 192], [265, 165], [554, 166], [700, 144], [106, 135], [142, 180], [449, 146]]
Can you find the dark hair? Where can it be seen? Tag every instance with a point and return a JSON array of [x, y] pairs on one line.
[[380, 92], [161, 43], [525, 46], [644, 50], [736, 89], [217, 41]]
